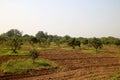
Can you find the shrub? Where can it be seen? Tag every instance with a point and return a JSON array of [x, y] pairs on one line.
[[34, 54]]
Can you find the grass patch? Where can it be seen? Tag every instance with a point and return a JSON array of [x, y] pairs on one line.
[[115, 76], [9, 52], [116, 51], [40, 48], [23, 65], [89, 51], [92, 51], [70, 48], [5, 52], [20, 52]]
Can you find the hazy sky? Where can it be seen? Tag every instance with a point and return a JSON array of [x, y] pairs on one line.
[[78, 18]]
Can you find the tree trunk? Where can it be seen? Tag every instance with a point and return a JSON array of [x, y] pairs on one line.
[[96, 50], [73, 47], [14, 51]]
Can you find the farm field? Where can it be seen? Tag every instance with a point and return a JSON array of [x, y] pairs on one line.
[[73, 65], [52, 57], [59, 39]]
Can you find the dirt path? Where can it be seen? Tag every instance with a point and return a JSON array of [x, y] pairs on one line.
[[74, 65]]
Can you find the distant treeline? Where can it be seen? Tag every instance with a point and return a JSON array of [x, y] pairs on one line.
[[15, 39]]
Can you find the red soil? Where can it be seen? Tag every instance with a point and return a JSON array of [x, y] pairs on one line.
[[74, 65]]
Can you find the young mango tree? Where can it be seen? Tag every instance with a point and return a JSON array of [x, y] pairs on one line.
[[33, 41], [74, 43], [96, 43], [14, 39], [15, 44], [33, 54]]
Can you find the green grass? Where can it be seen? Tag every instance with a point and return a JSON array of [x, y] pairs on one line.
[[70, 48], [93, 51], [23, 65], [116, 51], [9, 52], [40, 48], [67, 48], [5, 52], [115, 76], [89, 51], [21, 52]]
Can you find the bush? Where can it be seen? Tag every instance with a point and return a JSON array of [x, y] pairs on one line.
[[34, 54]]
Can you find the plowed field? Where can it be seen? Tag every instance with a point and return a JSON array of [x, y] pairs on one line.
[[74, 65]]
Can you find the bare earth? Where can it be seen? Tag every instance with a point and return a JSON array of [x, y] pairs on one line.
[[74, 65]]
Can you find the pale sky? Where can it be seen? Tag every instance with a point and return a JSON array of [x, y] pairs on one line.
[[77, 18]]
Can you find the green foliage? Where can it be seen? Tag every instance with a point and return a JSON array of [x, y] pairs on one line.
[[96, 43], [105, 41], [42, 38], [49, 40], [66, 39], [117, 42], [2, 40], [56, 40], [33, 41], [74, 43], [24, 65], [43, 42], [41, 34], [110, 40], [13, 39], [14, 43], [85, 41], [13, 32], [33, 54]]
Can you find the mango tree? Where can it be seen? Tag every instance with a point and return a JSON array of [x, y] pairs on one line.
[[74, 43], [14, 39], [96, 43]]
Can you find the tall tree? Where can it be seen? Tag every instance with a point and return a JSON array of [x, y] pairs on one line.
[[40, 35], [42, 38], [14, 32], [33, 41]]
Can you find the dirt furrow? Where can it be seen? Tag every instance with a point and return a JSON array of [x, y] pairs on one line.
[[74, 65]]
